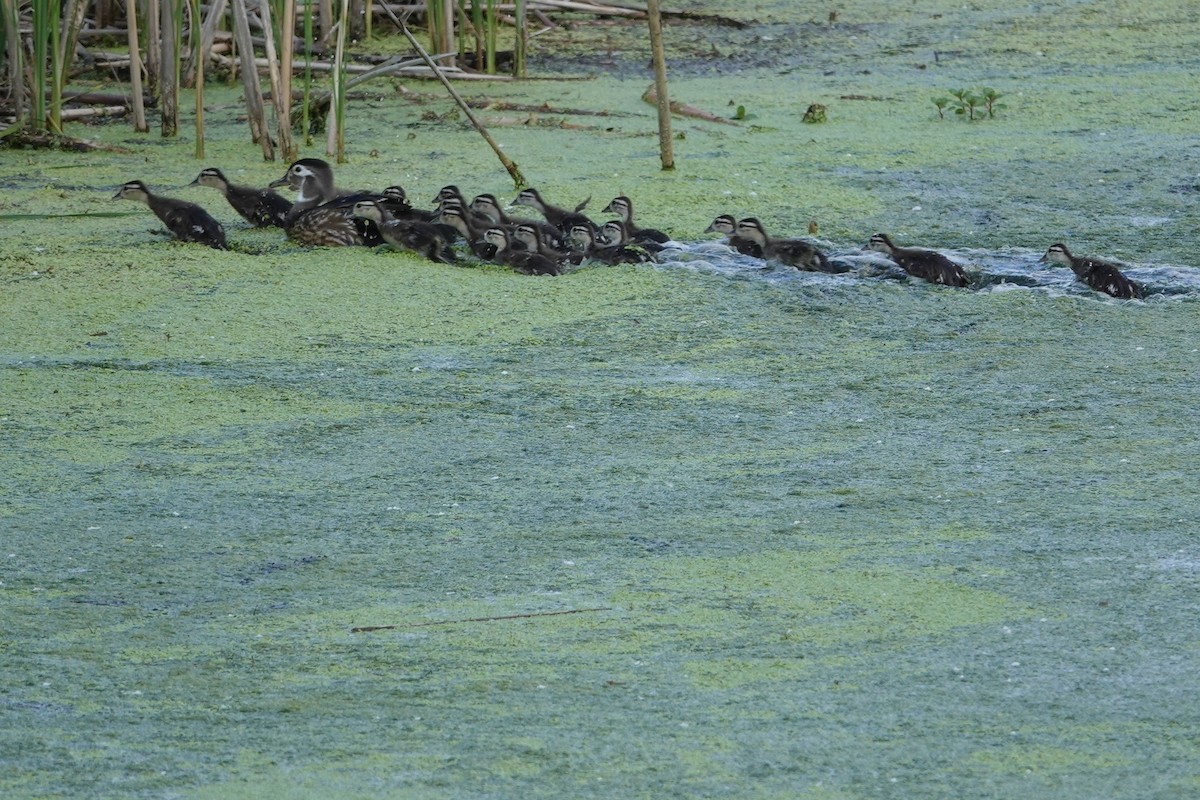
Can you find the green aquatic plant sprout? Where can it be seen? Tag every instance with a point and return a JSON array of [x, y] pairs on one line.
[[970, 103], [989, 98], [965, 102]]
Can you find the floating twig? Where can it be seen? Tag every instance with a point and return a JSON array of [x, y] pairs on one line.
[[684, 110], [373, 628]]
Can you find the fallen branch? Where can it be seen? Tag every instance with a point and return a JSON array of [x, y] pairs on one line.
[[411, 71], [684, 110], [373, 628], [544, 108], [95, 111], [48, 141], [514, 171]]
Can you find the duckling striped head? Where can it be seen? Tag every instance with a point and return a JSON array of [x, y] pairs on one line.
[[497, 237], [614, 232], [750, 228], [880, 243], [450, 192], [368, 209], [211, 176], [488, 206], [529, 197], [725, 224], [133, 190], [621, 206], [1058, 253], [583, 236], [528, 236]]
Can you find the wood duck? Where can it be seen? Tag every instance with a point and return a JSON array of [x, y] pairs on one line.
[[928, 265], [522, 261], [586, 237], [322, 215], [623, 207], [727, 225], [560, 218], [187, 221], [262, 208], [795, 252], [406, 234], [1103, 276], [616, 232]]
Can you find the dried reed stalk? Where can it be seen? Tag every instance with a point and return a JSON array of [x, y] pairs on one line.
[[168, 62], [135, 73], [666, 147], [255, 113], [279, 99]]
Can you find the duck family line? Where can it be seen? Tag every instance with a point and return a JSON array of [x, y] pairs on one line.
[[325, 216]]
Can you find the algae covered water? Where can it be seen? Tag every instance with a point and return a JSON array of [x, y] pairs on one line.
[[819, 536]]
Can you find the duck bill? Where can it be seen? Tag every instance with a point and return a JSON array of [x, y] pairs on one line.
[[278, 182]]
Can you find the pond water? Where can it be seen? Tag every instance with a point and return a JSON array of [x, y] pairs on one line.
[[823, 536]]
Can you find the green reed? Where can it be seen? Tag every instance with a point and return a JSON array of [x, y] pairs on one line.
[[198, 56], [13, 58], [305, 124], [43, 24]]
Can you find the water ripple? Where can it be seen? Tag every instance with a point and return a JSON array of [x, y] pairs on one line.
[[1003, 270]]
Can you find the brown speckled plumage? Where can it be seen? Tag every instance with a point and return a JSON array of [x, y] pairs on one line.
[[1103, 276], [187, 221], [928, 265], [262, 208]]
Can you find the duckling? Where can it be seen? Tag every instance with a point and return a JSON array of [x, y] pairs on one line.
[[322, 215], [450, 192], [616, 232], [488, 206], [1103, 276], [796, 252], [928, 265], [187, 221], [454, 216], [532, 238], [395, 200], [521, 260], [623, 207], [727, 225], [406, 234], [586, 237], [262, 208], [560, 218]]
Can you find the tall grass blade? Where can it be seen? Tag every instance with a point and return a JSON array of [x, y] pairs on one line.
[[54, 112], [335, 142], [305, 123], [493, 22], [41, 35], [521, 40], [198, 58], [477, 25], [14, 55]]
